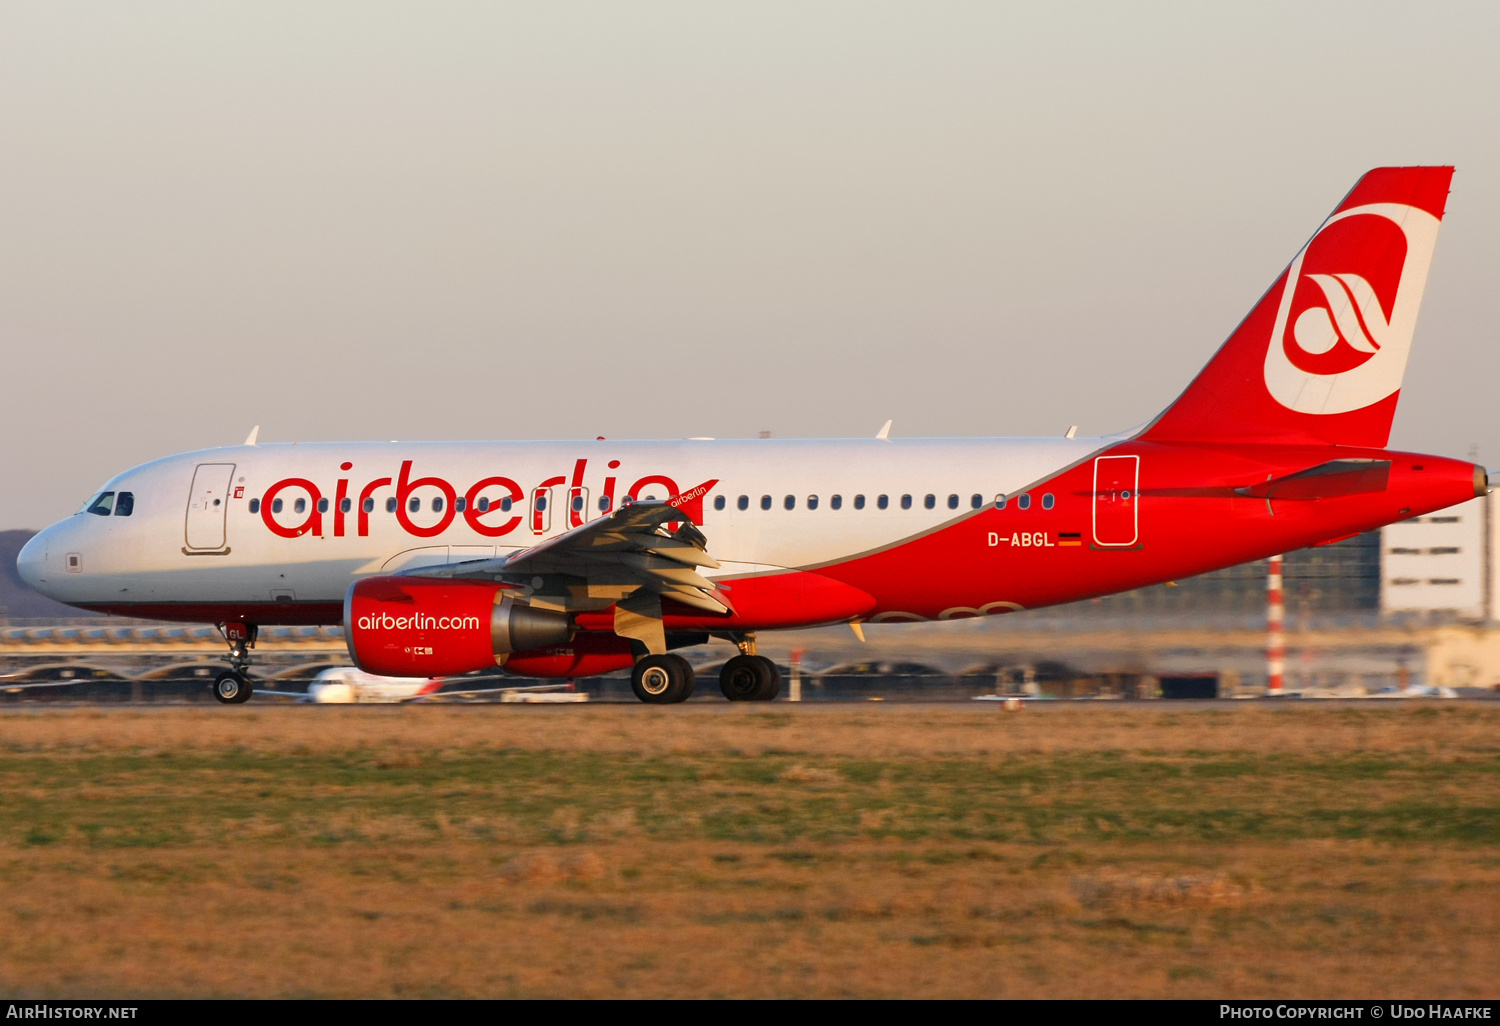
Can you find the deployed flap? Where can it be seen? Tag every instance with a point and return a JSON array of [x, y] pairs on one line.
[[1325, 481], [639, 617]]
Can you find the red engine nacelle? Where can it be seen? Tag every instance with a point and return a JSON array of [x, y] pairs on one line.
[[431, 627], [589, 653]]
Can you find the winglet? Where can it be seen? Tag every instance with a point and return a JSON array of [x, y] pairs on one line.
[[691, 500], [253, 435], [884, 434]]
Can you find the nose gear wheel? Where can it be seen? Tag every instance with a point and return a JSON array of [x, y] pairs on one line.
[[233, 688]]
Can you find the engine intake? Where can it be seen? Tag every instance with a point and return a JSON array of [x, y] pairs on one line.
[[433, 627]]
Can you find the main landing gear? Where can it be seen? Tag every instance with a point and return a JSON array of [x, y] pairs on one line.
[[668, 679], [750, 678], [233, 686], [662, 679]]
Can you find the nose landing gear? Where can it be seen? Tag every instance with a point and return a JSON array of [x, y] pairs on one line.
[[234, 686]]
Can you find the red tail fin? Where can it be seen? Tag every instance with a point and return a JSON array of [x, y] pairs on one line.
[[1320, 358]]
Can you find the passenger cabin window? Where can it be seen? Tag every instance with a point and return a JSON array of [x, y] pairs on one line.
[[413, 505], [1000, 501], [300, 506], [812, 502], [953, 502], [460, 504], [859, 502], [1048, 501], [906, 502], [124, 504], [765, 502], [743, 502], [790, 502], [345, 505], [255, 505], [541, 502], [1024, 502], [506, 502], [930, 502], [483, 505], [719, 502], [437, 505], [883, 501], [102, 505], [604, 504], [835, 501], [976, 500], [275, 505], [322, 505], [390, 505], [578, 503], [368, 506]]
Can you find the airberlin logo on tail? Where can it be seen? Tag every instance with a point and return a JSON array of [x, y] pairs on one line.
[[1348, 309]]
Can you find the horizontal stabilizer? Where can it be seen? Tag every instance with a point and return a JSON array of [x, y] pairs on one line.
[[1325, 481]]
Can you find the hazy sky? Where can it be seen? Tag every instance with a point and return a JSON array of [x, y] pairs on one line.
[[661, 220]]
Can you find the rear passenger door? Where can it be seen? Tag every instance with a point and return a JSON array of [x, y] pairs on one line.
[[1116, 501]]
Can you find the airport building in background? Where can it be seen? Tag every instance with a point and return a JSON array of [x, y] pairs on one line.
[[1442, 564]]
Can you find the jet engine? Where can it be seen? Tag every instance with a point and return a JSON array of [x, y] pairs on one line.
[[436, 627]]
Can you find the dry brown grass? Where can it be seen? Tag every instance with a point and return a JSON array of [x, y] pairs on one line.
[[1098, 851]]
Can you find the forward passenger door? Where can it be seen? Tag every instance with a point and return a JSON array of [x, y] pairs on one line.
[[208, 505]]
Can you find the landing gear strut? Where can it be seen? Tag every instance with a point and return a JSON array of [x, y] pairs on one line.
[[662, 679], [234, 686]]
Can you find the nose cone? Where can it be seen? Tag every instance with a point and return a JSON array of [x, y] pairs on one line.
[[31, 561]]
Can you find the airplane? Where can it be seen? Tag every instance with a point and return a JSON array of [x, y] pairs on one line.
[[571, 558], [348, 685]]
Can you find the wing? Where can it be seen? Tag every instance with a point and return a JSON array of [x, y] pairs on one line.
[[633, 550], [631, 559]]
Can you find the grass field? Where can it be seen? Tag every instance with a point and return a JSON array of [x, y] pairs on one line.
[[1105, 850]]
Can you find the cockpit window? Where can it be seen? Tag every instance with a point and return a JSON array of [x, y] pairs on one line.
[[102, 504], [125, 504]]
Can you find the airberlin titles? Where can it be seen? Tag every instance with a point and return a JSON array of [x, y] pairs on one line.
[[481, 505]]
